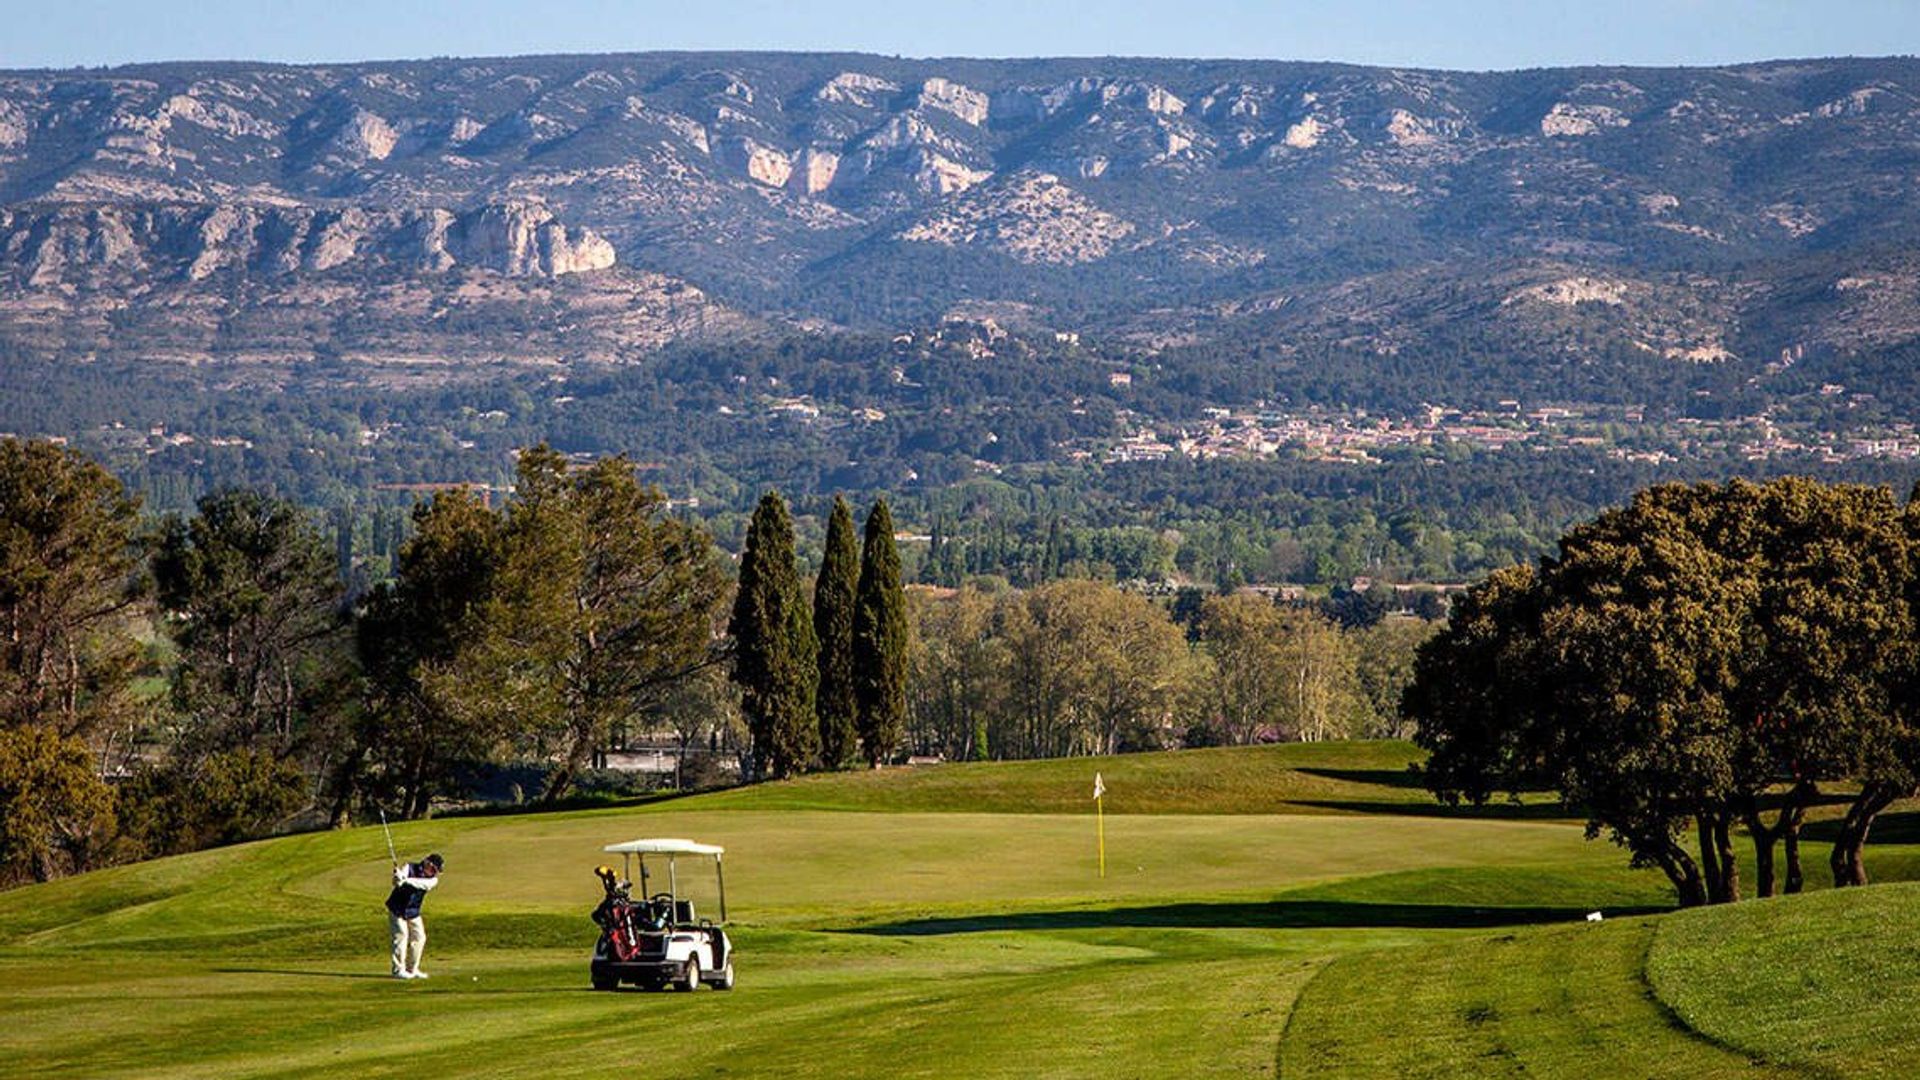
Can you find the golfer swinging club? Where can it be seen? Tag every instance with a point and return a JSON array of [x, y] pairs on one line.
[[411, 883]]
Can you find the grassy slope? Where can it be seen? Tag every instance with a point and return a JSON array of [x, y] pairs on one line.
[[1565, 1001], [900, 943], [1282, 779], [1824, 983], [1814, 985]]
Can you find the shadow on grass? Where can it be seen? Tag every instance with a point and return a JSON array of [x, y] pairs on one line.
[[288, 941], [455, 982], [1499, 811], [1393, 778], [1902, 827], [303, 974], [572, 802], [1273, 915]]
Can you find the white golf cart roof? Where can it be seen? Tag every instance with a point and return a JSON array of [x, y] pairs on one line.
[[670, 847], [665, 846]]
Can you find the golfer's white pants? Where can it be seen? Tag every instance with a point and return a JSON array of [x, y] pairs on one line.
[[409, 940]]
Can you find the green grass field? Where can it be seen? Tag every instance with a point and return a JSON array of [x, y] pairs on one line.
[[1301, 910]]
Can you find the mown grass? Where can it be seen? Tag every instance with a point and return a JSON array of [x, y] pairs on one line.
[[270, 966], [929, 923], [1814, 985], [1824, 983], [1281, 779], [1568, 1001]]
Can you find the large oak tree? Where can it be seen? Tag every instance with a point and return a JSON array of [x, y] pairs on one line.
[[1700, 659]]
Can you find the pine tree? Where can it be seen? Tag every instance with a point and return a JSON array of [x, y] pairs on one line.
[[833, 607], [252, 600], [421, 637], [775, 657], [67, 554], [880, 641]]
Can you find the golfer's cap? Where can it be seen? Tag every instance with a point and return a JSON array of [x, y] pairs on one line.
[[434, 860]]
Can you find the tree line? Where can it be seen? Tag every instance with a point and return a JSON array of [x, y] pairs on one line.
[[1083, 667], [173, 683], [1067, 667], [1707, 660]]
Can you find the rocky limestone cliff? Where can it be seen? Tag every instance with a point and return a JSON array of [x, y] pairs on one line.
[[522, 239], [44, 246], [1081, 186], [964, 102]]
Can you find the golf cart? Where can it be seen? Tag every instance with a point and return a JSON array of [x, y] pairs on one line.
[[654, 939]]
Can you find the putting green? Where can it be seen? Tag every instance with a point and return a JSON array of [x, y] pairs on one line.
[[931, 940]]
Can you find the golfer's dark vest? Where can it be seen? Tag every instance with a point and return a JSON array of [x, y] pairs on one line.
[[404, 900]]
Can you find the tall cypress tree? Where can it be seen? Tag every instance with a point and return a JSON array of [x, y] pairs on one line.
[[775, 659], [880, 641], [833, 605]]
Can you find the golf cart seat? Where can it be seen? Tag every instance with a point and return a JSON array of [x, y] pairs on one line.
[[683, 913]]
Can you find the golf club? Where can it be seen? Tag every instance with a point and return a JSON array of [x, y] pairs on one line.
[[392, 854]]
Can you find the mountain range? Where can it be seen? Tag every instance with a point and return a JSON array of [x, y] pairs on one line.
[[439, 213]]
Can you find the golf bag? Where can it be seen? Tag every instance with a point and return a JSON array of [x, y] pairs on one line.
[[615, 916]]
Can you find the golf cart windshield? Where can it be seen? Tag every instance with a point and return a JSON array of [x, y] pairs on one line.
[[671, 849]]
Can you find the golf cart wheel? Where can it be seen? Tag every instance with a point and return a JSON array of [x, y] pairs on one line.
[[605, 984], [724, 980], [689, 976]]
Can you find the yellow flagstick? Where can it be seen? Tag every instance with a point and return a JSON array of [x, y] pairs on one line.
[[1100, 816], [1100, 819]]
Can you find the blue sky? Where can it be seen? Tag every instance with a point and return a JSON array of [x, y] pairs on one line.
[[1473, 34]]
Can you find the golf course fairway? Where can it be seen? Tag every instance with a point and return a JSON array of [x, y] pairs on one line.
[[1303, 911]]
